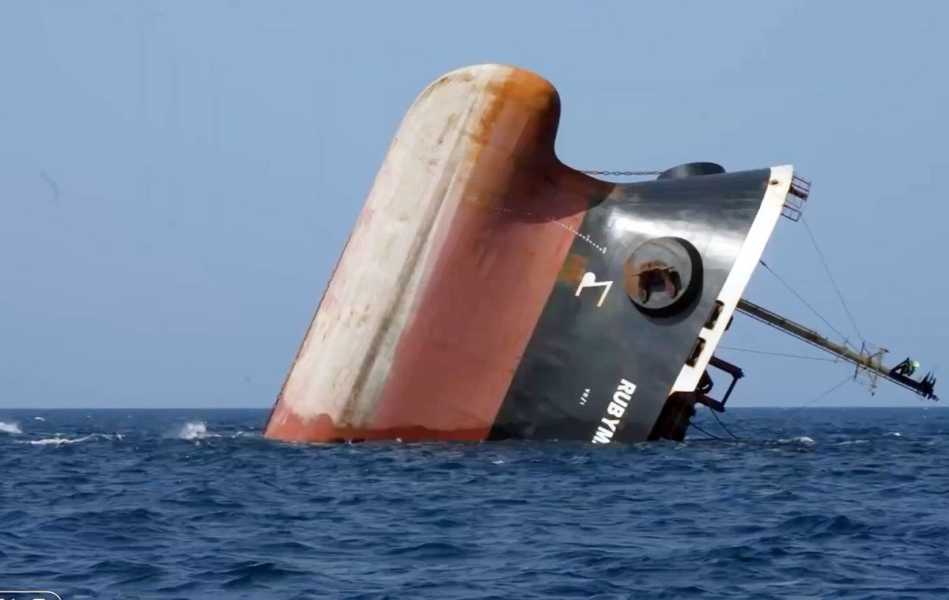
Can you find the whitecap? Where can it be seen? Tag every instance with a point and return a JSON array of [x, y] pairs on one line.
[[11, 428], [60, 441], [802, 440], [894, 434], [195, 430], [41, 419]]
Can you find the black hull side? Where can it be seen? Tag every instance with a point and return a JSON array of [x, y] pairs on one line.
[[583, 360]]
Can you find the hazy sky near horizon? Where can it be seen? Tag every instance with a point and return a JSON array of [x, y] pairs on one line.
[[177, 179]]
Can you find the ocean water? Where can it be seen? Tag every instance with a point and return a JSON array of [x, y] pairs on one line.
[[809, 503]]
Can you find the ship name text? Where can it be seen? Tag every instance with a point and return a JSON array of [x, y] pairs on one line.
[[615, 411]]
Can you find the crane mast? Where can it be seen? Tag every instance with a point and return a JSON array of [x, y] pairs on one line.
[[873, 363]]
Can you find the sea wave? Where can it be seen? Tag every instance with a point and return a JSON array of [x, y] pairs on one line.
[[801, 440], [60, 441], [11, 428], [787, 521], [195, 430], [853, 442]]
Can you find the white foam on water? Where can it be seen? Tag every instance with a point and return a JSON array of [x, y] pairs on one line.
[[11, 428], [195, 430], [60, 441], [39, 419], [895, 434], [801, 439]]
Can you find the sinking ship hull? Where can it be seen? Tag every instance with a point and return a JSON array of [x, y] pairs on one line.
[[489, 291]]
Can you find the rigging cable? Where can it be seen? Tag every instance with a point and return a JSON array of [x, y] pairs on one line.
[[833, 282], [782, 354], [806, 303], [722, 425], [829, 391], [821, 396], [710, 435]]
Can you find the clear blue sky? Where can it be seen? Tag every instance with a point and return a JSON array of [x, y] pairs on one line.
[[177, 179]]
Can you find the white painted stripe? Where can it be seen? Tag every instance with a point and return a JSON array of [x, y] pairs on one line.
[[736, 282]]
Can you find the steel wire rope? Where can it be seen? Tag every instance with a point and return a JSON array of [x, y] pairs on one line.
[[782, 354], [711, 436], [819, 397], [806, 303], [722, 425], [833, 282]]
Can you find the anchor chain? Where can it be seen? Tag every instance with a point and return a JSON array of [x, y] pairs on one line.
[[621, 173]]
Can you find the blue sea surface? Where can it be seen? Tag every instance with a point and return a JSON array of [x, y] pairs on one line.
[[810, 503]]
